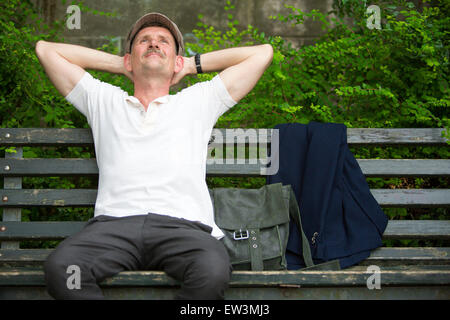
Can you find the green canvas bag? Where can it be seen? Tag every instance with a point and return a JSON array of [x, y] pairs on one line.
[[256, 226]]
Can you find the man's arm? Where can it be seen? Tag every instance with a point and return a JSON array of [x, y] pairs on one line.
[[65, 64], [240, 68]]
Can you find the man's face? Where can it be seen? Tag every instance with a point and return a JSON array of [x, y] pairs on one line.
[[154, 52]]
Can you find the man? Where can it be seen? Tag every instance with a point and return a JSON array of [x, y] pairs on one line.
[[153, 210]]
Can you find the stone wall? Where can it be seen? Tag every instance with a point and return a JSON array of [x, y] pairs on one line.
[[94, 28]]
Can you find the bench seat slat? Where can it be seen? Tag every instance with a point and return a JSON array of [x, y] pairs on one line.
[[49, 230], [83, 137], [343, 278], [426, 255], [370, 167], [86, 197]]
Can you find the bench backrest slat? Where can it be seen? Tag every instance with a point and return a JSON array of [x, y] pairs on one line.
[[86, 197], [85, 167], [49, 230], [356, 136]]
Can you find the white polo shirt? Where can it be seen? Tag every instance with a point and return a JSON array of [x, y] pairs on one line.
[[152, 161]]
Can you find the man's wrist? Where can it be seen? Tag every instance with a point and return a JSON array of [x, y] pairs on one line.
[[192, 68], [198, 64], [121, 65]]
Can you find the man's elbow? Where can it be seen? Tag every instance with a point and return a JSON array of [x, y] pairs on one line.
[[267, 52], [40, 48]]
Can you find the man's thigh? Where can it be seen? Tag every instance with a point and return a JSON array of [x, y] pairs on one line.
[[105, 246], [174, 245]]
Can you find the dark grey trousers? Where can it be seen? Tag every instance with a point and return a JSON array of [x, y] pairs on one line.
[[185, 250]]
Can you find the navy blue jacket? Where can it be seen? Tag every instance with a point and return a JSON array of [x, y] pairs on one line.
[[340, 216]]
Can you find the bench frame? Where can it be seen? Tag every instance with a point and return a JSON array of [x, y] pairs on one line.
[[426, 270]]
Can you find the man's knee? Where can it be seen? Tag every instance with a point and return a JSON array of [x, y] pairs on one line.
[[66, 279], [218, 277], [208, 276], [216, 271], [55, 268]]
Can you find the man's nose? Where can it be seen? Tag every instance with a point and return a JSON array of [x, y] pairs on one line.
[[153, 43]]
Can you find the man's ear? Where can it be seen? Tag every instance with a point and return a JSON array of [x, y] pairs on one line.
[[127, 62], [179, 64]]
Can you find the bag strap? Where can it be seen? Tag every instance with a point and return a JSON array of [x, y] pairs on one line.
[[294, 211], [255, 250], [295, 214]]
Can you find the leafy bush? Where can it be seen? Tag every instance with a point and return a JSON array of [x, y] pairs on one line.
[[393, 77], [27, 97]]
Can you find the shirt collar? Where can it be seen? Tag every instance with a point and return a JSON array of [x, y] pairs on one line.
[[135, 101]]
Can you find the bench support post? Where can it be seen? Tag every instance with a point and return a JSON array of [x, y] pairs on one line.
[[12, 214]]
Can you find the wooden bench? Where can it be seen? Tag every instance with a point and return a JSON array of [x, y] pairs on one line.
[[405, 272]]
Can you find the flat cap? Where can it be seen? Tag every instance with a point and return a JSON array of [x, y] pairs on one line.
[[155, 19]]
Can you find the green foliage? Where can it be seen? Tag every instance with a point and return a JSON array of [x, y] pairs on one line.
[[393, 77], [26, 96]]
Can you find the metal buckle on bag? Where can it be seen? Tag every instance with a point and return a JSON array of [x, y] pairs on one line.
[[240, 235]]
